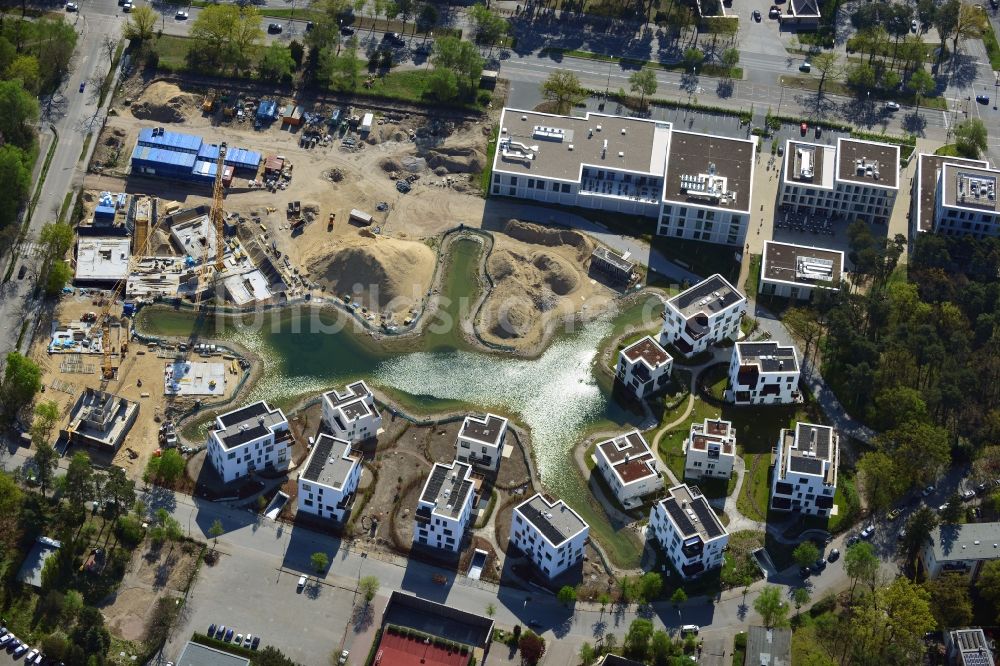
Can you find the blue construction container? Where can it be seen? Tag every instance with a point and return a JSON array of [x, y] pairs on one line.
[[267, 110], [161, 138], [186, 157]]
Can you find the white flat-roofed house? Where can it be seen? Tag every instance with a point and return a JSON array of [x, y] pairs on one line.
[[688, 531], [856, 180], [247, 439], [102, 260], [710, 450], [703, 315], [352, 415], [805, 470], [445, 506], [481, 440], [796, 271], [960, 548], [629, 467], [644, 367], [696, 185], [763, 373], [955, 196], [329, 478], [550, 533]]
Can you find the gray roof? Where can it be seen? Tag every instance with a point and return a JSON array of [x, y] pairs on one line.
[[971, 541], [202, 655], [353, 403], [31, 569], [928, 169], [882, 158], [701, 521], [971, 187], [769, 356], [768, 647], [553, 519], [805, 8], [406, 610], [247, 424], [448, 487], [969, 647], [488, 429], [801, 264], [694, 155], [701, 298], [602, 253], [330, 462]]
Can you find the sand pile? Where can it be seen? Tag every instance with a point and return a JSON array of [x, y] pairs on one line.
[[383, 274], [164, 103], [527, 285], [456, 159], [536, 234]]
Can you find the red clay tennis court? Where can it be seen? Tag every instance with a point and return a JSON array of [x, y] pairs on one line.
[[395, 650]]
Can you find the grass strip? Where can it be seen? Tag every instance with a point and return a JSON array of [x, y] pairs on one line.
[[992, 47], [34, 201], [86, 145], [838, 88], [106, 83]]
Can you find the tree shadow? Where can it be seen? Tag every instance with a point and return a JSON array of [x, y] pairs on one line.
[[914, 123], [724, 89]]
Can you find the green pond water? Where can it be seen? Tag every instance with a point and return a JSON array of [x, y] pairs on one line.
[[557, 395]]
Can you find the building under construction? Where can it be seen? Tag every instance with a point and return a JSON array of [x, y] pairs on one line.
[[100, 420]]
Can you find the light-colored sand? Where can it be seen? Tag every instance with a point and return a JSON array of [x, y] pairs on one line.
[[164, 102]]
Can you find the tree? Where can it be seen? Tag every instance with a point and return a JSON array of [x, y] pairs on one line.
[[46, 459], [861, 76], [227, 35], [679, 596], [277, 63], [805, 553], [297, 51], [369, 586], [21, 381], [730, 58], [827, 64], [342, 72], [58, 275], [661, 648], [20, 112], [693, 57], [970, 137], [861, 564], [921, 84], [320, 561], [986, 466], [946, 19], [56, 239], [460, 57], [882, 480], [970, 24], [921, 450], [926, 12], [164, 469], [587, 654], [140, 26], [24, 68], [918, 530], [489, 27], [216, 530], [636, 642], [272, 656], [532, 647], [953, 510], [893, 621], [650, 586], [443, 84], [950, 600], [15, 174], [10, 513], [46, 416], [119, 491], [491, 609], [644, 82], [800, 596], [563, 90], [772, 610], [72, 605], [988, 585], [79, 483], [567, 595]]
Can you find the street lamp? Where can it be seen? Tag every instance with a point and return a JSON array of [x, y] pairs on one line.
[[607, 87]]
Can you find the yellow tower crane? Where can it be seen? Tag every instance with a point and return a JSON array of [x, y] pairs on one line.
[[218, 193]]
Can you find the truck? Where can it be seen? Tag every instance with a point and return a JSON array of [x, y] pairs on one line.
[[366, 123], [360, 217]]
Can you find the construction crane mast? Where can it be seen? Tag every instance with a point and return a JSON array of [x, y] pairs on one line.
[[218, 193]]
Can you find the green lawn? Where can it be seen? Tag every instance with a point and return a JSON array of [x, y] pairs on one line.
[[838, 88], [753, 276], [948, 150], [992, 48], [739, 562], [703, 259], [671, 444], [173, 50]]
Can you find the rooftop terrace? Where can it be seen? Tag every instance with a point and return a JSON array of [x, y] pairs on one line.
[[553, 519], [801, 264], [630, 457]]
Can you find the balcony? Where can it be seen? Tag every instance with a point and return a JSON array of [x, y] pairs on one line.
[[422, 515], [697, 327]]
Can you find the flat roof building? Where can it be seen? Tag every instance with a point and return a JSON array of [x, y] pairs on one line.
[[480, 442], [102, 259], [644, 367], [688, 531], [440, 620], [195, 654], [629, 467], [704, 314], [796, 271], [954, 548], [763, 373], [445, 506], [329, 478], [615, 266], [710, 450], [805, 470], [550, 533], [768, 647], [955, 196], [249, 438], [100, 420], [352, 415], [969, 647]]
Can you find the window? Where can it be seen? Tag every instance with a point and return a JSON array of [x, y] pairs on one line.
[[513, 180], [555, 187], [565, 188], [531, 182]]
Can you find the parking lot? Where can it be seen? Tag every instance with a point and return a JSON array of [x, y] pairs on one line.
[[253, 595]]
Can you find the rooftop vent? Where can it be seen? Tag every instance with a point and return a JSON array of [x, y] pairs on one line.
[[623, 130], [621, 154], [523, 117], [571, 146], [598, 128]]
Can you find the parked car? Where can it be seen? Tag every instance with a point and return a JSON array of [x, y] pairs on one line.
[[5, 638], [819, 566], [851, 540], [968, 495], [894, 514], [690, 629], [927, 491], [309, 26], [302, 583], [983, 99], [248, 640], [805, 67], [72, 7], [256, 642], [238, 640], [981, 488], [805, 572], [181, 15], [229, 634], [30, 657], [221, 632], [343, 657], [942, 507], [803, 129], [211, 629], [19, 650], [127, 7], [773, 12], [868, 532], [274, 28], [756, 15], [833, 556], [346, 31], [913, 25], [83, 84], [891, 106]]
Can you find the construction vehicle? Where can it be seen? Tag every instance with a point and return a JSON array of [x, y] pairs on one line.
[[208, 105], [329, 222]]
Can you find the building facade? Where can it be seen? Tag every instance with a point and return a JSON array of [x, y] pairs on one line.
[[805, 470], [549, 533], [798, 271], [763, 373], [481, 441], [697, 186], [629, 467], [854, 180], [249, 438], [688, 531], [710, 450], [955, 197], [445, 507], [706, 314], [352, 415], [644, 367], [329, 479], [960, 549]]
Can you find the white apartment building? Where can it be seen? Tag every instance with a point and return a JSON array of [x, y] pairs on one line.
[[854, 179], [805, 470], [481, 440], [247, 439], [797, 271], [629, 467], [963, 549], [550, 533], [697, 186], [352, 415], [763, 373], [955, 196], [330, 478], [707, 313], [644, 367], [445, 506], [710, 450], [688, 531]]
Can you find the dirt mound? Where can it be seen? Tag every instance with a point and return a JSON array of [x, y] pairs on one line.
[[390, 165], [513, 320], [384, 274], [164, 103], [536, 234], [457, 159], [560, 277]]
